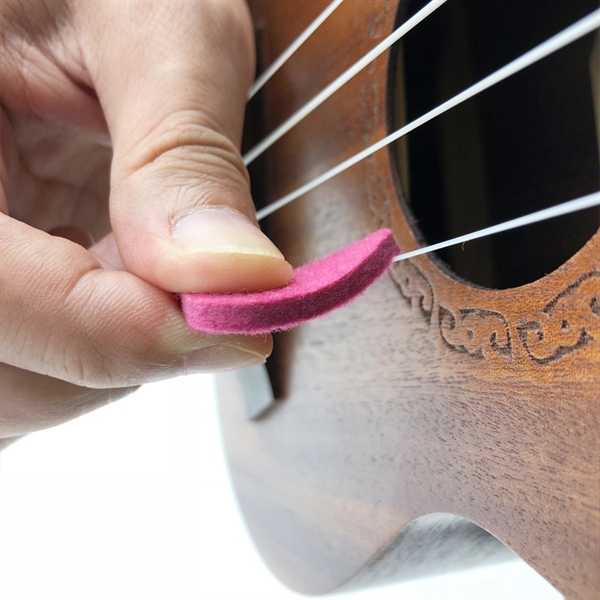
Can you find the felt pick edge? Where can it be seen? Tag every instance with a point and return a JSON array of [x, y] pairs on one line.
[[258, 313]]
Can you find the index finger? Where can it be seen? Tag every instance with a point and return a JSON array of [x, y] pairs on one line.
[[65, 316]]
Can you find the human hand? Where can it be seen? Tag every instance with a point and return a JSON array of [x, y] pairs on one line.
[[120, 122]]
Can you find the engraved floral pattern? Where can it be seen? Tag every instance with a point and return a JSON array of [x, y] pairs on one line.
[[477, 332], [414, 287], [570, 321]]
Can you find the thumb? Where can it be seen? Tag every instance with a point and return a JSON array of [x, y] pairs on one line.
[[172, 78]]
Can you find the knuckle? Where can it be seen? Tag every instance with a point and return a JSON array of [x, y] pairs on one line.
[[180, 137], [117, 343]]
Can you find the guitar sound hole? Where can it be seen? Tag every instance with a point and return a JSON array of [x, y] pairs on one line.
[[527, 143]]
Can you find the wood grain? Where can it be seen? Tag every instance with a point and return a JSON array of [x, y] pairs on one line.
[[428, 395]]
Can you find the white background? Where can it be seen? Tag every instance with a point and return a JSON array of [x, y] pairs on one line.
[[132, 502]]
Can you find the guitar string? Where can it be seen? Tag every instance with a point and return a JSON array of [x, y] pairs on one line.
[[335, 85], [285, 55], [565, 208], [558, 41]]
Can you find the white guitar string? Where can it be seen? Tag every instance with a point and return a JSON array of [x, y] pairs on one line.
[[335, 85], [285, 55], [541, 215], [558, 41]]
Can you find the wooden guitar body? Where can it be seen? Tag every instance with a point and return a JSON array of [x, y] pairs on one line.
[[429, 394]]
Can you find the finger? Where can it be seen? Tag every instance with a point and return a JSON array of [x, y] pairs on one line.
[[30, 401], [174, 96], [64, 316]]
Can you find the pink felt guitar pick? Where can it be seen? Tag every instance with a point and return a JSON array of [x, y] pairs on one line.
[[315, 289]]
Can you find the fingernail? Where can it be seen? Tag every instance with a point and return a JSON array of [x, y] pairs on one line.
[[221, 357], [223, 231]]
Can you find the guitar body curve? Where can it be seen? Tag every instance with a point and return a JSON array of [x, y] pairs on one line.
[[428, 395]]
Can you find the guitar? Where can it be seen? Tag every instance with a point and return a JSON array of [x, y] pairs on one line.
[[459, 394]]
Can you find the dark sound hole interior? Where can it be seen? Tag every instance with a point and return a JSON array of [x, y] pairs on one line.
[[525, 144]]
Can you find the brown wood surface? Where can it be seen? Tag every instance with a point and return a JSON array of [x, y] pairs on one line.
[[427, 395]]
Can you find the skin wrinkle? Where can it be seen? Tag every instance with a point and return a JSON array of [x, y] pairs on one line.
[[207, 201], [48, 350], [202, 161], [10, 64], [37, 70], [47, 26], [11, 254], [156, 358], [94, 372], [203, 170], [210, 176], [168, 136], [190, 195], [45, 349], [15, 340]]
